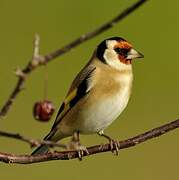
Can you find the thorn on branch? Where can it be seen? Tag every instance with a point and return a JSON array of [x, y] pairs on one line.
[[36, 45], [37, 59]]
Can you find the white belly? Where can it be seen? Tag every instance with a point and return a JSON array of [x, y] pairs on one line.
[[94, 114], [103, 113]]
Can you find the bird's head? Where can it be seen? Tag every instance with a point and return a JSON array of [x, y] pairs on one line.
[[117, 52]]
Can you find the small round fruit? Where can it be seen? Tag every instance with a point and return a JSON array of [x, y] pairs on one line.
[[43, 110]]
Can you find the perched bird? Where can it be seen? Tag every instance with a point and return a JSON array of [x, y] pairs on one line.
[[98, 94]]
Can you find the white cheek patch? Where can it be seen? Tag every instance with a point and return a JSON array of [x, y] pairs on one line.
[[110, 55]]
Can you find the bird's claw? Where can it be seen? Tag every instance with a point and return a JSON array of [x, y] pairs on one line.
[[81, 150], [114, 146]]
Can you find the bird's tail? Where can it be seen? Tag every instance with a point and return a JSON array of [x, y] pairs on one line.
[[43, 149]]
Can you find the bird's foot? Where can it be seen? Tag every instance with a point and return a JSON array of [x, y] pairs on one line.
[[81, 150], [114, 144]]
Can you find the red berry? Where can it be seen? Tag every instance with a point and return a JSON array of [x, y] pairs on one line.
[[43, 110]]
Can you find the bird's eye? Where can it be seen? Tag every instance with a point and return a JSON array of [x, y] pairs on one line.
[[118, 50], [121, 51]]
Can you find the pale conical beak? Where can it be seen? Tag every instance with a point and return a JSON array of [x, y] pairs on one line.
[[133, 54]]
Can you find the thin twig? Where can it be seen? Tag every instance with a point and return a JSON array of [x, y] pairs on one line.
[[67, 155], [32, 142], [95, 32], [40, 60]]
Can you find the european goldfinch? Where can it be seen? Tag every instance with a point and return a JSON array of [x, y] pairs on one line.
[[98, 94]]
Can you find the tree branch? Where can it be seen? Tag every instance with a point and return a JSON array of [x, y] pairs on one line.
[[67, 155], [39, 60], [95, 32], [32, 142]]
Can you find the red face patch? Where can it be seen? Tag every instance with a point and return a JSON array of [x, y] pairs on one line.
[[123, 45], [124, 60]]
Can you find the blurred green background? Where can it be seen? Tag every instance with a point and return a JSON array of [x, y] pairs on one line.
[[153, 29]]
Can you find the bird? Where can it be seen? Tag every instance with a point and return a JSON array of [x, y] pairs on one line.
[[97, 96]]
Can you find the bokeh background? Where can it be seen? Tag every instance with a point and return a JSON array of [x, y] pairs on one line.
[[153, 29]]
